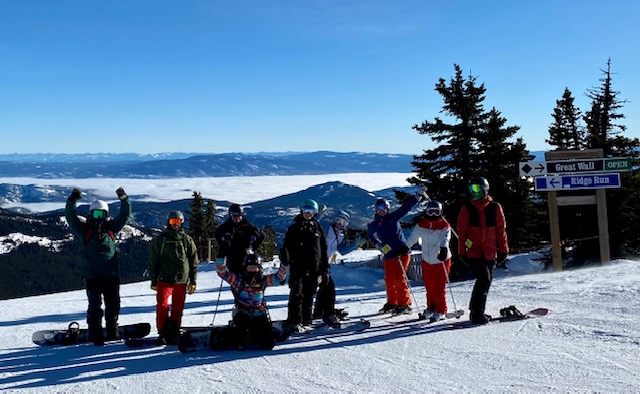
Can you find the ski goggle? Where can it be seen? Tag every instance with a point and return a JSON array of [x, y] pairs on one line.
[[236, 214], [99, 213], [341, 222], [381, 207], [174, 221], [433, 212], [475, 188], [310, 210]]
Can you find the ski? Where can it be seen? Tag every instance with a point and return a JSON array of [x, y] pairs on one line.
[[74, 334]]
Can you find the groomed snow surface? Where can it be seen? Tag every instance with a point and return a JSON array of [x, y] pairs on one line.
[[589, 341]]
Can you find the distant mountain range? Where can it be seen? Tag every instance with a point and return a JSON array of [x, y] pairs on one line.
[[184, 165]]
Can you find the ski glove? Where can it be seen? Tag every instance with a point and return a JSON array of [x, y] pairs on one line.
[[191, 287], [323, 279], [360, 241], [442, 255], [421, 194], [284, 257], [75, 195], [154, 285], [502, 257], [122, 195]]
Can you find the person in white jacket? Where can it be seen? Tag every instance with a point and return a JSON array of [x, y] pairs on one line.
[[435, 232]]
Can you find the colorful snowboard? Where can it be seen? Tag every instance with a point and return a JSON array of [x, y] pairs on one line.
[[74, 334]]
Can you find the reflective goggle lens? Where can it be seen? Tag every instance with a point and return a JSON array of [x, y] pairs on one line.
[[475, 188], [236, 214], [433, 212], [342, 222], [310, 210], [173, 221], [381, 207], [99, 213]]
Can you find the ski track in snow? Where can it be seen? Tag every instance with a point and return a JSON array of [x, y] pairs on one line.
[[587, 343]]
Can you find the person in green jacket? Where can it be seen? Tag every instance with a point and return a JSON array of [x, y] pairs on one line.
[[99, 260], [173, 265]]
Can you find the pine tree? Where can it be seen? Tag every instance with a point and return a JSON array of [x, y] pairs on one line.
[[196, 219], [475, 145], [268, 247], [566, 133], [623, 205], [210, 227]]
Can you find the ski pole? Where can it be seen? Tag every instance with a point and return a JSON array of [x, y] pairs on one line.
[[446, 275], [215, 311], [408, 284]]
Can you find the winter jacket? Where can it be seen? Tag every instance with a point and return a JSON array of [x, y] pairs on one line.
[[99, 258], [385, 230], [435, 234], [336, 243], [305, 248], [173, 258], [482, 229], [235, 238], [250, 297]]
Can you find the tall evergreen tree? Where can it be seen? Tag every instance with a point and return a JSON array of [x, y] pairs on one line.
[[566, 133], [210, 227], [623, 205], [268, 248], [476, 144], [196, 219]]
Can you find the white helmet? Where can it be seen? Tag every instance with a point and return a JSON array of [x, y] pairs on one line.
[[99, 204]]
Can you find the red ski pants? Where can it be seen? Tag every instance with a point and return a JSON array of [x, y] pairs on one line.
[[395, 281], [178, 294], [435, 282]]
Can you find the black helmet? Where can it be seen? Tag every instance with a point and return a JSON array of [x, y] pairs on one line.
[[252, 260], [236, 210], [433, 210], [479, 188], [382, 202], [175, 215]]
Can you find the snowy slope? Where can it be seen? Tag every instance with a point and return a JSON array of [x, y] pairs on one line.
[[589, 341]]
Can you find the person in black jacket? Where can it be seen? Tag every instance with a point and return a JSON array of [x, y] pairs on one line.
[[237, 237], [304, 250]]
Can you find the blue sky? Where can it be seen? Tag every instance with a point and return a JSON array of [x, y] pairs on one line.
[[251, 76]]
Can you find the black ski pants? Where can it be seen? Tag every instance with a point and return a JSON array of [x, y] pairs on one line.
[[325, 300], [483, 270], [301, 291], [97, 290], [252, 330]]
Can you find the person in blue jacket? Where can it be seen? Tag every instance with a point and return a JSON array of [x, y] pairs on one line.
[[387, 235]]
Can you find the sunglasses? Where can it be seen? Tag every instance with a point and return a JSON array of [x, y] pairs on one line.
[[310, 210], [174, 221], [99, 213], [475, 188]]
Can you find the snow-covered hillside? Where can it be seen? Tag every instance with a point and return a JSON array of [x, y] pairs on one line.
[[587, 343]]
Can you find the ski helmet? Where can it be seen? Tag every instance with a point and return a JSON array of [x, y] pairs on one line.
[[99, 209], [175, 215], [252, 266], [235, 210], [310, 205], [433, 210], [479, 188], [341, 221], [382, 204]]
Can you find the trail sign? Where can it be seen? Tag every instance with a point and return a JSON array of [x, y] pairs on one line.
[[574, 182], [535, 168]]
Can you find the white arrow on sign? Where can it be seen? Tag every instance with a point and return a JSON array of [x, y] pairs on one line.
[[533, 168]]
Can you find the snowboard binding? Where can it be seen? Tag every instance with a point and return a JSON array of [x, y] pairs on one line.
[[511, 312], [73, 332]]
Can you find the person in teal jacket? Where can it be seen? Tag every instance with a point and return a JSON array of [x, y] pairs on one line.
[[99, 260]]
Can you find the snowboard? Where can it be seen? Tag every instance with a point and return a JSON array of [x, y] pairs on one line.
[[223, 337], [508, 314], [342, 326], [74, 334]]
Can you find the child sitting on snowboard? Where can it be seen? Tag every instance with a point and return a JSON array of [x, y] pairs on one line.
[[252, 324]]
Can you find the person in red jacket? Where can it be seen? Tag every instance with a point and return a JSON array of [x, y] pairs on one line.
[[482, 242]]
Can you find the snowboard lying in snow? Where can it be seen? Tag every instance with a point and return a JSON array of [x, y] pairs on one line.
[[74, 334], [508, 314]]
